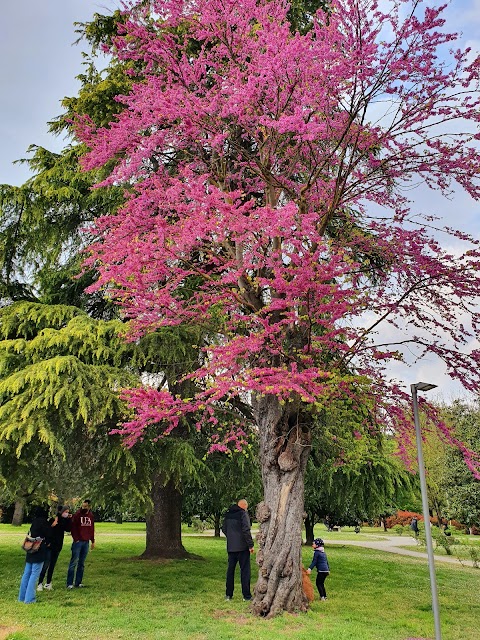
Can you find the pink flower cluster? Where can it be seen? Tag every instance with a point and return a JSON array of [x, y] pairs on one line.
[[265, 177]]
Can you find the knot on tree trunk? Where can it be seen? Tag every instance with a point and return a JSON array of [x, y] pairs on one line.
[[287, 461], [260, 537], [261, 586], [259, 558], [263, 512], [287, 569]]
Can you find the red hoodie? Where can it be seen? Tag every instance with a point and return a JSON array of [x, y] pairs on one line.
[[83, 526]]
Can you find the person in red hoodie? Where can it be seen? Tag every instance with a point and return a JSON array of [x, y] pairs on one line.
[[83, 532]]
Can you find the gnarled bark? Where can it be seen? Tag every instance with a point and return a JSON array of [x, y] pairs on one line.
[[284, 449], [164, 524]]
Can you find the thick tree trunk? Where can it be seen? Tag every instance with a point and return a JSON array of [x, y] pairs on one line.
[[18, 513], [164, 524], [309, 535], [284, 449], [216, 524]]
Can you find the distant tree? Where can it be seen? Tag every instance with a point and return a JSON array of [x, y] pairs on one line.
[[61, 373], [462, 489], [436, 454], [21, 480], [225, 480], [352, 473]]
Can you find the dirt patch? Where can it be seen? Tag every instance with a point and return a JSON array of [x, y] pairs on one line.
[[5, 631], [232, 616], [155, 560]]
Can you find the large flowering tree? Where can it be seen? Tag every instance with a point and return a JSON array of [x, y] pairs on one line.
[[266, 174]]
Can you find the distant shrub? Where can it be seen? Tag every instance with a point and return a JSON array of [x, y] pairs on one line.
[[398, 529], [442, 540], [402, 518], [475, 556], [198, 524]]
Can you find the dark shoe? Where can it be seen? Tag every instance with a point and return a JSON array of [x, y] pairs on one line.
[[247, 599]]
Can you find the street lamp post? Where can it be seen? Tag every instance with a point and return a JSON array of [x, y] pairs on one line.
[[425, 386]]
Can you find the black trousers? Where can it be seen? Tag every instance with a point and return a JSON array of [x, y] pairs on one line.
[[49, 565], [320, 582], [243, 559]]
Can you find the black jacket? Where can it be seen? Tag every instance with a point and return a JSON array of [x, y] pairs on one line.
[[236, 527], [58, 531], [39, 529]]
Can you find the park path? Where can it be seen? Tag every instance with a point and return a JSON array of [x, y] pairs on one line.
[[394, 544]]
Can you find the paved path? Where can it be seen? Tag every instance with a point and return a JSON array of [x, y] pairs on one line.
[[390, 544], [395, 544]]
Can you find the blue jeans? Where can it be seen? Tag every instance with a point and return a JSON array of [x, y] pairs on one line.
[[79, 553], [29, 582]]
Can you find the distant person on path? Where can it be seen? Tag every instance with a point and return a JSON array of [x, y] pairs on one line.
[[59, 524], [321, 563], [236, 527], [34, 561], [83, 532], [414, 526]]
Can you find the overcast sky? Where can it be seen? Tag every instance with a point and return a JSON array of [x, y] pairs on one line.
[[38, 65]]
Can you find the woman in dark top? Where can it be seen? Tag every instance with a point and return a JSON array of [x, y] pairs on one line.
[[34, 561], [59, 524], [321, 563]]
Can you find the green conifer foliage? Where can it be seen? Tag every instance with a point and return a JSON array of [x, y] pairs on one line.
[[60, 372]]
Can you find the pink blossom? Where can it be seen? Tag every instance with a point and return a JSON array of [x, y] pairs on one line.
[[265, 201]]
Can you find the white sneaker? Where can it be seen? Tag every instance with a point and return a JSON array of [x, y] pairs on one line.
[[69, 586], [80, 586], [48, 587], [40, 587]]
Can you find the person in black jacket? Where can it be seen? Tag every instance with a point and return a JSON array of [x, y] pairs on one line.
[[236, 527], [34, 561], [320, 562], [59, 525]]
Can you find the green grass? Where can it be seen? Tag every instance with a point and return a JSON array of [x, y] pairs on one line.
[[372, 596]]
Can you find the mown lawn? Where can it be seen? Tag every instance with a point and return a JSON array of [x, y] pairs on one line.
[[372, 596]]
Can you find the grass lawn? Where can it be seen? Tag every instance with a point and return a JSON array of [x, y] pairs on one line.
[[372, 596]]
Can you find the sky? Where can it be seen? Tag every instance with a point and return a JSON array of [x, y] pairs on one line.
[[38, 66]]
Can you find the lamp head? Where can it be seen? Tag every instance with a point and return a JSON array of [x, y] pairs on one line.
[[424, 386]]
